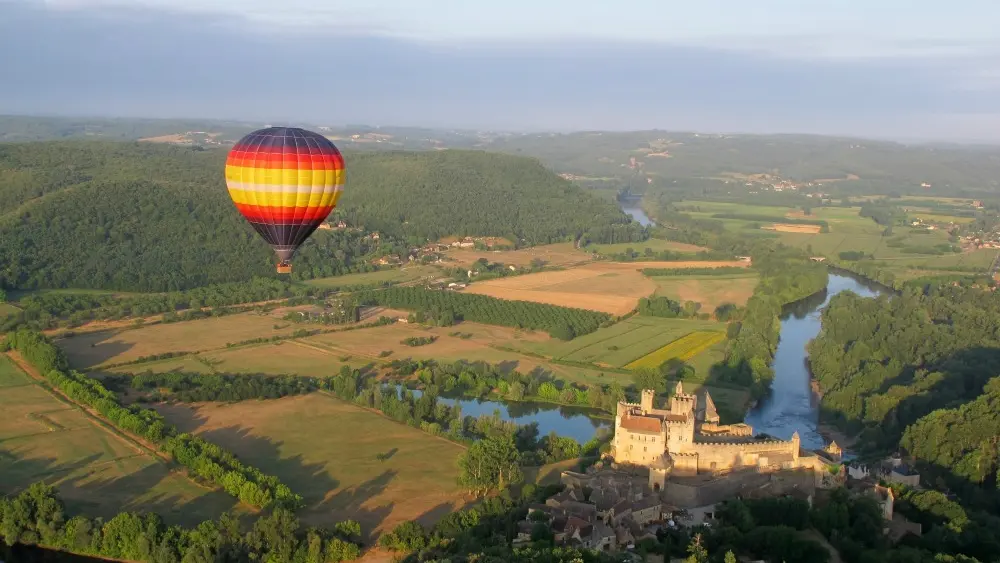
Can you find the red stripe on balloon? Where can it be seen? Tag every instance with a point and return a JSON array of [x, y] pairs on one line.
[[284, 215], [278, 160]]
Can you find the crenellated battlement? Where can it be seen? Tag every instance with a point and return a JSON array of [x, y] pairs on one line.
[[693, 438]]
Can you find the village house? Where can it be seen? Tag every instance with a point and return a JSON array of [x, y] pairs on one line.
[[891, 470], [618, 509]]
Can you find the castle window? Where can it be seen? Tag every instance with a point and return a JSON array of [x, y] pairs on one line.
[[644, 448]]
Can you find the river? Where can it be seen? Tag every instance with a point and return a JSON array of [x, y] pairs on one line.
[[792, 405], [633, 209], [578, 423]]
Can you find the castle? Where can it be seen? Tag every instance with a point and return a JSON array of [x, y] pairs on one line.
[[687, 440]]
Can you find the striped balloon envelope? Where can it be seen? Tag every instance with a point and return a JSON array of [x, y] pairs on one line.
[[285, 181]]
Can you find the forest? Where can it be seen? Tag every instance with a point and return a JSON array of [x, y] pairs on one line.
[[918, 370], [147, 217], [448, 307]]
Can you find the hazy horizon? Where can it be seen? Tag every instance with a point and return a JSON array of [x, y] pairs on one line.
[[772, 70]]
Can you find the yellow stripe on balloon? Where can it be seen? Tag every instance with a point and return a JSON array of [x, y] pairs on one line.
[[319, 198], [285, 176]]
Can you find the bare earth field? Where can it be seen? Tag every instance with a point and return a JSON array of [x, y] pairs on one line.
[[325, 449], [93, 349], [561, 254], [654, 244], [791, 228], [165, 139], [709, 291], [610, 287], [95, 471]]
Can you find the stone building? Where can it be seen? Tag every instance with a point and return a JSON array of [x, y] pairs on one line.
[[686, 439]]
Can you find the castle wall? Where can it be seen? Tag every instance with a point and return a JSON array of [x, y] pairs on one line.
[[691, 493], [723, 457]]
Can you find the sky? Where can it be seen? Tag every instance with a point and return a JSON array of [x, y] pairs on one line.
[[904, 69]]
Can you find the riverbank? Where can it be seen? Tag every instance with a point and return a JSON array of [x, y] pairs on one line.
[[793, 404]]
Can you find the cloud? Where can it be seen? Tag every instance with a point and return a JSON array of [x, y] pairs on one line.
[[141, 62]]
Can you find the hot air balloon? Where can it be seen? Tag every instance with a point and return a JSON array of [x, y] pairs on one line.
[[285, 181]]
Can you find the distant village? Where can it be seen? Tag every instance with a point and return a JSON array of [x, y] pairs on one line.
[[436, 253]]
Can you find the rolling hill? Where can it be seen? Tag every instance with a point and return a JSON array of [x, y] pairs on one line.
[[155, 217]]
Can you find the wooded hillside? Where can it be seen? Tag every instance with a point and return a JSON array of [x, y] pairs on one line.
[[147, 217]]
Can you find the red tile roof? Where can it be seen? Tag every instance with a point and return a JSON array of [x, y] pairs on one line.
[[641, 424]]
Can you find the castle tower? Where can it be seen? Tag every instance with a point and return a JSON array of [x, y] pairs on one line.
[[836, 454], [659, 472], [709, 414], [646, 402], [796, 445], [682, 404]]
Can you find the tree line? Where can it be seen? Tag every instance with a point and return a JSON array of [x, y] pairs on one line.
[[482, 380], [430, 413], [561, 322], [204, 459], [649, 255], [662, 306], [700, 272], [48, 310], [37, 516], [222, 387]]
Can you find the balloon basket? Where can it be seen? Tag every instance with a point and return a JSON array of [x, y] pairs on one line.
[[284, 268]]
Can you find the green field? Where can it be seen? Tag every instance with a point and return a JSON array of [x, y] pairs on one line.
[[7, 309], [684, 349], [940, 218], [851, 232], [398, 275], [622, 342], [325, 449], [654, 244], [10, 375], [712, 207], [710, 291], [95, 470]]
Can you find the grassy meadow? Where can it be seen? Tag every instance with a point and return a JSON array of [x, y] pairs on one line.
[[326, 450], [654, 244], [106, 347], [710, 291], [684, 349]]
